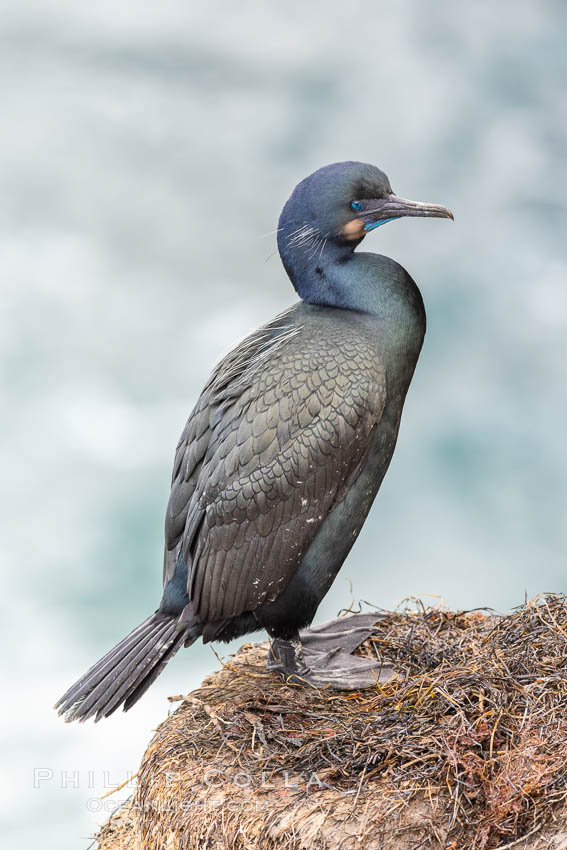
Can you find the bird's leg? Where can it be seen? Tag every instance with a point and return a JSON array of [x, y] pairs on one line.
[[286, 658], [321, 656]]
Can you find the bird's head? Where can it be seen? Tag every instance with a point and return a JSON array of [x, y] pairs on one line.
[[339, 204]]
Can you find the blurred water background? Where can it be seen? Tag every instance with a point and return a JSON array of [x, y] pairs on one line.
[[145, 151]]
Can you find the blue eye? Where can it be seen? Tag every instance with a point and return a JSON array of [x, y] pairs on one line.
[[356, 206]]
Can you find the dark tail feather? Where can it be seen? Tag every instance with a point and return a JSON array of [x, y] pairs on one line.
[[127, 671]]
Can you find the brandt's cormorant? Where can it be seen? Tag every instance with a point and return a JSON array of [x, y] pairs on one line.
[[284, 452]]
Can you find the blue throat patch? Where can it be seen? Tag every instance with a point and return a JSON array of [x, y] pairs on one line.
[[368, 227]]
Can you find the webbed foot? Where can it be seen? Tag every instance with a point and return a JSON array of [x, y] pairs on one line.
[[321, 656]]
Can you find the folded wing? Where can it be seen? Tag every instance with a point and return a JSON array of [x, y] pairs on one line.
[[277, 437]]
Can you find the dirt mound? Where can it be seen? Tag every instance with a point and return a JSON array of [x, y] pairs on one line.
[[466, 748]]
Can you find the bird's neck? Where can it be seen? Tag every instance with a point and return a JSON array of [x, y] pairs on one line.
[[334, 275]]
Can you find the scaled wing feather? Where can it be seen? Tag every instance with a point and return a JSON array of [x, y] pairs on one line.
[[277, 437]]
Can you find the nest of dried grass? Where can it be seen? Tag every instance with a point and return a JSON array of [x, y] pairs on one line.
[[467, 748]]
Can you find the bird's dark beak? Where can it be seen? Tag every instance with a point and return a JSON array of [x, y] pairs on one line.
[[381, 210]]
